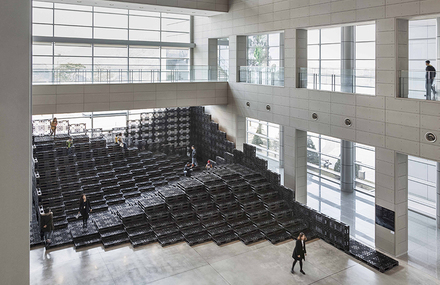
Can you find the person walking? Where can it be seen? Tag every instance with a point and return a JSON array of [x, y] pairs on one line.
[[299, 253], [193, 156], [430, 77], [69, 144], [46, 226], [84, 209], [121, 142], [53, 127]]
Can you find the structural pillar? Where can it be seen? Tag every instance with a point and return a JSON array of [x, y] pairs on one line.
[[438, 195], [348, 59], [391, 228], [347, 166], [212, 59], [15, 153], [301, 166]]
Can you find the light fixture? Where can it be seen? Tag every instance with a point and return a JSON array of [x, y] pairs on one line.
[[348, 122], [268, 107], [248, 104], [430, 137], [315, 116]]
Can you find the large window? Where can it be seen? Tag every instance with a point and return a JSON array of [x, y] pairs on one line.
[[323, 156], [86, 43], [326, 59], [264, 59], [223, 57], [365, 162], [422, 47], [324, 160], [422, 183], [265, 137]]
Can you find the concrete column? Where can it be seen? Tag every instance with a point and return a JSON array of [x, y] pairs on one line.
[[212, 59], [15, 153], [241, 54], [301, 166], [392, 194], [402, 58], [347, 166], [301, 57], [348, 59], [438, 195]]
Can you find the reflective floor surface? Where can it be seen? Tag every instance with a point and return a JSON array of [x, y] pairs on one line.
[[205, 264], [357, 210]]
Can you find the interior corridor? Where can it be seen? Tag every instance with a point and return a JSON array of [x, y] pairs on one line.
[[357, 210]]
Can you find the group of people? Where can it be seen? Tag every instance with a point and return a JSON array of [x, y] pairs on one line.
[[47, 225], [189, 167]]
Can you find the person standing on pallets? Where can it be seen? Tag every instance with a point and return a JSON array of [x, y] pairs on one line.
[[193, 156], [69, 144], [84, 209]]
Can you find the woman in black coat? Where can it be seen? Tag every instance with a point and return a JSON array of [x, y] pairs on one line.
[[84, 209], [299, 252]]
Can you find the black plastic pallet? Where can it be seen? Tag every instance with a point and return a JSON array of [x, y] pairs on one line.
[[252, 237], [198, 238], [225, 238], [279, 236], [170, 239], [143, 239]]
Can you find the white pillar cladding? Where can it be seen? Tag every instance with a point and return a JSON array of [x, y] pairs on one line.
[[301, 55], [301, 166], [240, 55], [348, 59], [212, 58], [392, 194], [347, 166], [15, 153], [438, 195], [402, 58]]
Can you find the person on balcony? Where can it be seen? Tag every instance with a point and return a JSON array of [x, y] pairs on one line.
[[430, 77]]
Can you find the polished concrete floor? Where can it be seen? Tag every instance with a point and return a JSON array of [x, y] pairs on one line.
[[205, 264], [357, 210]]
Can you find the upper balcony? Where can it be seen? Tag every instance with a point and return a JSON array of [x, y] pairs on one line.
[[418, 84], [114, 74], [360, 81]]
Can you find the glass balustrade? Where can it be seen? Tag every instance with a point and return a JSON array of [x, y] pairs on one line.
[[116, 74], [360, 81], [418, 84], [263, 75]]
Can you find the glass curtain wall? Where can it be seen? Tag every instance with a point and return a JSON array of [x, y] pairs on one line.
[[324, 56], [365, 162], [223, 57], [265, 137], [323, 156], [95, 43], [422, 185], [324, 160], [106, 120], [264, 60], [422, 47]]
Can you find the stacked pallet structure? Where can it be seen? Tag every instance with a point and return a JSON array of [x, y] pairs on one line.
[[140, 196]]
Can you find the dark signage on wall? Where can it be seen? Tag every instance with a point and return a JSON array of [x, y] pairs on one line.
[[385, 217]]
